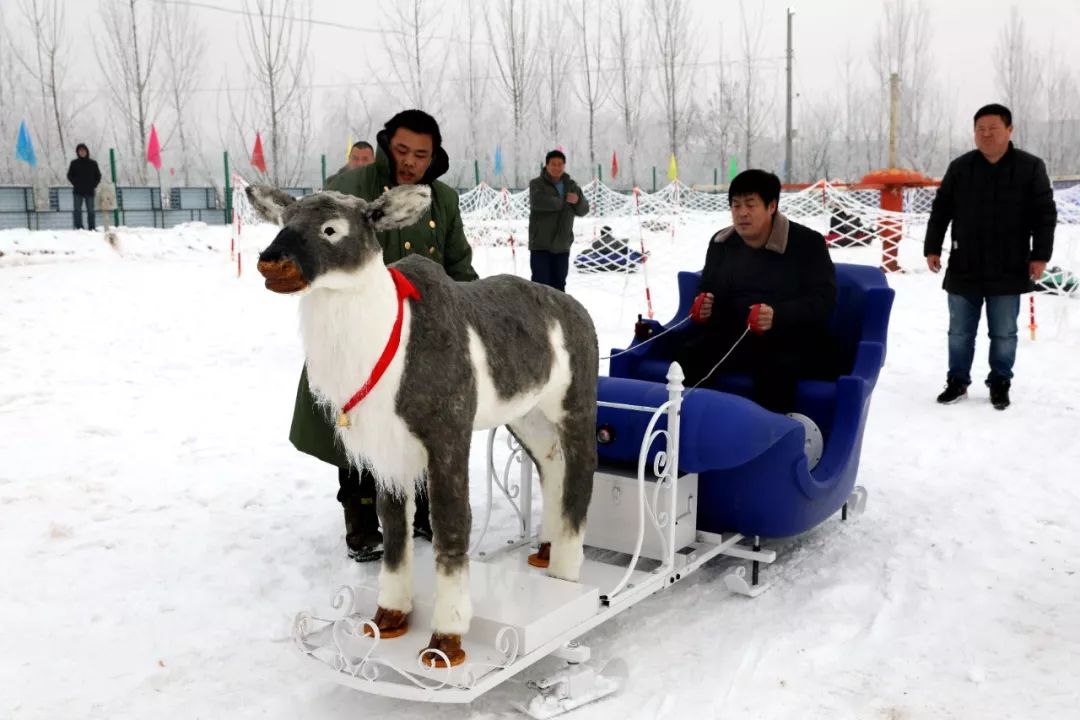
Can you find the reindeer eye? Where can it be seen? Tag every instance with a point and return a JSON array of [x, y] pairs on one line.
[[328, 230]]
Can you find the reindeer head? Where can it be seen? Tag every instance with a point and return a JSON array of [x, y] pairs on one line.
[[328, 236]]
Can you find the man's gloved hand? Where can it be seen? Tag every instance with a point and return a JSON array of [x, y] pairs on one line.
[[701, 310], [760, 319]]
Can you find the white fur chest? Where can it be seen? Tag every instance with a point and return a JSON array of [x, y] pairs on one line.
[[344, 334]]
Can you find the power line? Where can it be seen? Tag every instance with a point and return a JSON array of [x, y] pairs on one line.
[[311, 21]]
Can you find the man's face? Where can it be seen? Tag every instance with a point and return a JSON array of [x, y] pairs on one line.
[[412, 155], [359, 157], [750, 215], [81, 152], [992, 135], [555, 168]]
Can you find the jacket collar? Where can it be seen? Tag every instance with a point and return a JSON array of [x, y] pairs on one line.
[[778, 236]]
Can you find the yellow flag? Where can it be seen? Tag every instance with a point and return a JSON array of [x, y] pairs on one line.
[[672, 169], [348, 148]]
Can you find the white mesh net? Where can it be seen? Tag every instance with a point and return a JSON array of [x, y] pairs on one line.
[[618, 238]]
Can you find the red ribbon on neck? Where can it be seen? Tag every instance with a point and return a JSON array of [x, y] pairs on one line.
[[405, 289]]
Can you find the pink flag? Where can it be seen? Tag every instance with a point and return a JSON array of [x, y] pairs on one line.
[[153, 150]]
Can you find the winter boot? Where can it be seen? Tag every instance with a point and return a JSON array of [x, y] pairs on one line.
[[362, 536], [954, 392], [999, 392]]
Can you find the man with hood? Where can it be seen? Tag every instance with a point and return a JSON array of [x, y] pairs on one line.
[[554, 201], [409, 152], [84, 176]]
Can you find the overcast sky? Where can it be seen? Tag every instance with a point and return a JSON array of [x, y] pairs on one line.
[[964, 33]]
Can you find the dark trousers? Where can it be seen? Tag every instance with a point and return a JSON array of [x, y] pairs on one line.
[[549, 268], [964, 314], [775, 363], [359, 486], [76, 215]]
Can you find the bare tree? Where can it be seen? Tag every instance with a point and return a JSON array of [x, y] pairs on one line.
[[817, 132], [1018, 73], [278, 33], [474, 83], [46, 64], [417, 59], [556, 63], [9, 123], [1061, 136], [757, 103], [127, 60], [672, 31], [631, 81], [902, 46], [596, 87], [184, 47], [516, 56]]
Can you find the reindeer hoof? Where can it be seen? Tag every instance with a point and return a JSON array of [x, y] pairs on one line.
[[542, 557], [391, 624], [449, 645]]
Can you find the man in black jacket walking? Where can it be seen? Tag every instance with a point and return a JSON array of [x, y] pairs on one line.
[[84, 176], [776, 277], [1003, 216]]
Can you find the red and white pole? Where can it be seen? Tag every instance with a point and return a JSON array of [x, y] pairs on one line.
[[1032, 326], [644, 257]]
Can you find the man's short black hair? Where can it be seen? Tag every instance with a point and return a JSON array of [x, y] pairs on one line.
[[362, 145], [755, 182], [417, 121], [995, 109], [554, 154]]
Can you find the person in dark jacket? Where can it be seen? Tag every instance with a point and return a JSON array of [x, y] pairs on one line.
[[360, 154], [84, 176], [554, 201], [409, 152], [774, 275], [1001, 207]]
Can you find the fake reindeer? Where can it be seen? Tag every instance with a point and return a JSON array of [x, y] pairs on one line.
[[412, 363]]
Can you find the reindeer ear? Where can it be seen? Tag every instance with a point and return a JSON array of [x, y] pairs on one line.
[[398, 207], [269, 202]]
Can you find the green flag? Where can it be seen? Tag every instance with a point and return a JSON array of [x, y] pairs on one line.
[[733, 168]]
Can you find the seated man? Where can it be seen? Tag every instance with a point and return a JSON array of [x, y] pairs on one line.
[[782, 271]]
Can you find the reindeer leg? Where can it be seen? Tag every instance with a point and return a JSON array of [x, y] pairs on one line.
[[395, 575], [574, 469], [538, 437], [451, 522]]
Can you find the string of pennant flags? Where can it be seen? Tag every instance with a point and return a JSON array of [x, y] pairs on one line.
[[24, 151]]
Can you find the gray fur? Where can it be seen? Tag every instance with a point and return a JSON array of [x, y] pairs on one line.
[[437, 397]]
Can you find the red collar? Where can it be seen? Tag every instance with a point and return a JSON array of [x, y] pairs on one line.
[[405, 289]]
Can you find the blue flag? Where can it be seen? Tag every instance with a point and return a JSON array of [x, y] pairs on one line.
[[24, 147], [498, 160]]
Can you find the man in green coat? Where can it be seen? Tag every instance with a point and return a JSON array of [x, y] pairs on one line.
[[554, 201], [409, 152]]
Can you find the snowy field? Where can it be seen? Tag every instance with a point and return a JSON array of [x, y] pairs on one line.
[[158, 532]]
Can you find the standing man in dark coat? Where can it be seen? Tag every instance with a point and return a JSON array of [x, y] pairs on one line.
[[554, 201], [1003, 216], [776, 277], [84, 176], [409, 152]]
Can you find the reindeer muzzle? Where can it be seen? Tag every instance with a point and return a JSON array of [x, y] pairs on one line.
[[282, 276]]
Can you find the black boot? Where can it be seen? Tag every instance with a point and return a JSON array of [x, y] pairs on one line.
[[954, 392], [422, 519], [999, 392], [362, 536]]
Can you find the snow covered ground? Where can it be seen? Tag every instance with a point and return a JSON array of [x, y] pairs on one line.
[[158, 532]]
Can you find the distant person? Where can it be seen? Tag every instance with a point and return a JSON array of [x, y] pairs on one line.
[[1001, 207], [360, 154], [554, 201], [84, 176]]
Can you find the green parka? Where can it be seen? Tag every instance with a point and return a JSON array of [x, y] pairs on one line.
[[551, 218]]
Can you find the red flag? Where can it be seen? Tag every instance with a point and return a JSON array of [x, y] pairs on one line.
[[153, 150], [614, 165], [258, 161]]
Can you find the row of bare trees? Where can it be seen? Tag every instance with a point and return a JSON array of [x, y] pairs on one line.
[[641, 78]]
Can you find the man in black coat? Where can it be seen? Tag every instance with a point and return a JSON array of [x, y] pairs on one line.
[[84, 176], [1003, 216], [774, 275]]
